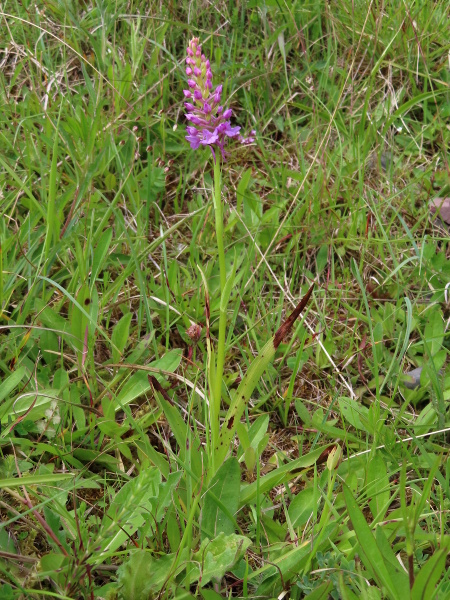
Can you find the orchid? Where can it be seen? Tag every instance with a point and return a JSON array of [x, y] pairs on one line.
[[210, 123]]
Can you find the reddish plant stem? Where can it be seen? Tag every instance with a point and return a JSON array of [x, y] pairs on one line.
[[411, 570], [27, 502]]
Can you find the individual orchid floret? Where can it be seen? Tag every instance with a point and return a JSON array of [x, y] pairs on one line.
[[247, 140], [209, 121]]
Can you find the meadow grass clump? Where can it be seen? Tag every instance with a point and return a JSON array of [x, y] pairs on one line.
[[224, 356]]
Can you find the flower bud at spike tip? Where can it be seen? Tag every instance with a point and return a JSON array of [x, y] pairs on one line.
[[334, 458], [194, 332], [209, 123]]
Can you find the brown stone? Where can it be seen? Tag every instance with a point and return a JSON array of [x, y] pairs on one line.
[[442, 207]]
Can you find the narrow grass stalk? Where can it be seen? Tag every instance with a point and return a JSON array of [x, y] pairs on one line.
[[187, 535], [52, 222]]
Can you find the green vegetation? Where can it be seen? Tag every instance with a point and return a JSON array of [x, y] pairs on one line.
[[329, 476]]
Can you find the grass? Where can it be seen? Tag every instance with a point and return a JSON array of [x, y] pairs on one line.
[[337, 481]]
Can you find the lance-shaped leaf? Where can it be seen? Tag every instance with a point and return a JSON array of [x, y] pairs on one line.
[[251, 379]]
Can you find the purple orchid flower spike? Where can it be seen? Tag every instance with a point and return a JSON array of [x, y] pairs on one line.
[[209, 123]]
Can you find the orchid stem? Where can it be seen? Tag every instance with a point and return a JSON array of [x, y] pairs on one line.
[[217, 391]]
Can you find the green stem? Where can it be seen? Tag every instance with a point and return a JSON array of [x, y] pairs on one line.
[[217, 391], [187, 535], [323, 520]]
